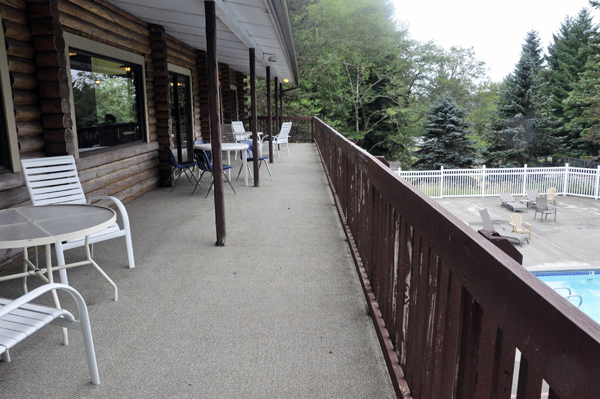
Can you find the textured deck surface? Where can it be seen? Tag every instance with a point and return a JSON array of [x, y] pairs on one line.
[[277, 313]]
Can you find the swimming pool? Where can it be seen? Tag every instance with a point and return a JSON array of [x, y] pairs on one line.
[[581, 283]]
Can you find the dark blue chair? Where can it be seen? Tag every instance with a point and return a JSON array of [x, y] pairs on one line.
[[186, 168], [250, 158], [205, 166]]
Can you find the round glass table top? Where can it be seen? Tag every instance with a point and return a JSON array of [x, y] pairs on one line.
[[39, 225]]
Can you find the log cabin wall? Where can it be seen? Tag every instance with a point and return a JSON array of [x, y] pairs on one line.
[[51, 65], [224, 77], [130, 171], [162, 101], [203, 94], [35, 33], [24, 86], [26, 106], [242, 92]]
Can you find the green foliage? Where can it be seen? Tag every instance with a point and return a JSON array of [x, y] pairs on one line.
[[364, 75], [523, 127], [566, 80], [98, 95], [445, 143]]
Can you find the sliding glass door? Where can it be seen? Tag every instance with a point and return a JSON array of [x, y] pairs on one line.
[[182, 135]]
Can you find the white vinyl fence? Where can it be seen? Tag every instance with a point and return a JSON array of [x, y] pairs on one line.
[[441, 183]]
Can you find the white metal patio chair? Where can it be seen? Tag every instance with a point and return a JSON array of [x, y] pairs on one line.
[[238, 129], [282, 137], [54, 180], [19, 319]]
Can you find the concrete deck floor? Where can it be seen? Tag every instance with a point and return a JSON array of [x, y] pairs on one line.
[[277, 313], [570, 243]]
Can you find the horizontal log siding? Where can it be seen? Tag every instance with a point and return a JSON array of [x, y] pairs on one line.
[[203, 94], [104, 23], [225, 80], [24, 85], [242, 92], [126, 172], [451, 308]]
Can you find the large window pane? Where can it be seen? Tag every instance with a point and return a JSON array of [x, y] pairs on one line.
[[107, 100]]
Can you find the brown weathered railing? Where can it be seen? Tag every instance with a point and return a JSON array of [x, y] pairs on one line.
[[302, 127], [451, 309]]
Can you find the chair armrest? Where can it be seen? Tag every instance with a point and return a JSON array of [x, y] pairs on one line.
[[31, 295], [528, 225], [118, 204]]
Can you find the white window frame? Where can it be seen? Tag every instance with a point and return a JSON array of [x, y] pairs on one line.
[[105, 50]]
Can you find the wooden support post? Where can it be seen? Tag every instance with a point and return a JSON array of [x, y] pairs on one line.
[[212, 68], [269, 131], [277, 128], [254, 111]]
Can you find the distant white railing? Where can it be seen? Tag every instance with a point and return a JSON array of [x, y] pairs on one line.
[[581, 182]]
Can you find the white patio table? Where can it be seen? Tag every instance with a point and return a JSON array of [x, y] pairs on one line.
[[32, 226], [248, 136], [228, 147]]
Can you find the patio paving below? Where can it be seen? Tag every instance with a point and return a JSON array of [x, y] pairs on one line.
[[277, 313], [569, 243]]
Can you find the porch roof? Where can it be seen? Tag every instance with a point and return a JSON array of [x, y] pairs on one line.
[[260, 24]]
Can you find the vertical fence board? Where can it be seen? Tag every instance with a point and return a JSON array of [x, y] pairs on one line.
[[504, 360]]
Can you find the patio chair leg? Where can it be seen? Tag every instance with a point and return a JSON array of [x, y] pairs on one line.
[[197, 185], [169, 179], [228, 181], [176, 180], [268, 169], [210, 188]]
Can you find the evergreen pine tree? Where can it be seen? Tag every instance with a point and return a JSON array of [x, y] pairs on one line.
[[445, 143], [566, 63], [522, 129]]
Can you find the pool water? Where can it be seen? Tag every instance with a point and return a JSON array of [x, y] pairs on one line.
[[584, 283]]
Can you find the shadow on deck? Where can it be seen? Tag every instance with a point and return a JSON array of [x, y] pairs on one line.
[[278, 312]]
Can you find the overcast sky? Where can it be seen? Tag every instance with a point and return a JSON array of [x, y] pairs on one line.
[[495, 29]]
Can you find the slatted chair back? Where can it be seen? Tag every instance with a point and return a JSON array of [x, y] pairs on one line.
[[551, 195], [53, 180], [284, 133], [227, 133], [516, 221], [238, 127]]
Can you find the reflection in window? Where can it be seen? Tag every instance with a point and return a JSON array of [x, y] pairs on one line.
[[107, 98]]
